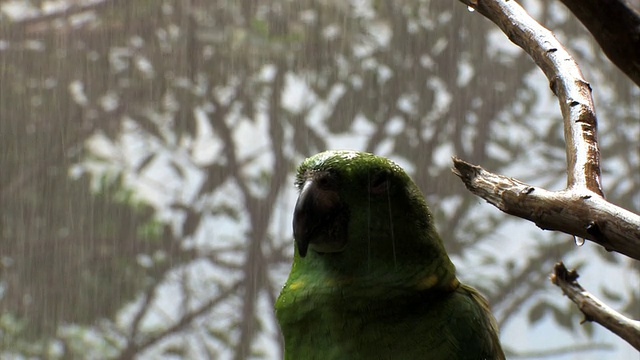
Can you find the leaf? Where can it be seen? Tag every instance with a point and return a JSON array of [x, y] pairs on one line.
[[191, 223], [609, 257], [228, 210], [177, 350], [216, 176], [221, 334], [179, 206], [613, 296], [145, 162], [563, 318], [149, 126], [588, 329], [537, 312], [177, 168], [260, 27]]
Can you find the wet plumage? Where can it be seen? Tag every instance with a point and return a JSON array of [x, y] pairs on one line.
[[370, 277]]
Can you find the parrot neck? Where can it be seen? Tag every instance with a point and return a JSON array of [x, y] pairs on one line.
[[434, 273], [384, 292]]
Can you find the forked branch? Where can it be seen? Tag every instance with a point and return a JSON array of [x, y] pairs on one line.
[[585, 212], [581, 209], [566, 82]]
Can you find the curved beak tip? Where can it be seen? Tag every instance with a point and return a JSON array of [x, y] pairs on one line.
[[302, 249], [300, 217]]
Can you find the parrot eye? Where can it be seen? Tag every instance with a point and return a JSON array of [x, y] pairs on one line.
[[327, 180], [379, 183]]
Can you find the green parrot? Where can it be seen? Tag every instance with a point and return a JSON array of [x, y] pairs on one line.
[[370, 277]]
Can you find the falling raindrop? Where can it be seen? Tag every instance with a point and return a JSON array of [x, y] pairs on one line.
[[471, 9], [578, 240]]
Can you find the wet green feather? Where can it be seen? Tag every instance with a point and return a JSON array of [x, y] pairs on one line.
[[392, 292]]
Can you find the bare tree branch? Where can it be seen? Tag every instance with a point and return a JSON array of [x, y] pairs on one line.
[[616, 28], [135, 348], [566, 81], [581, 209], [578, 212], [594, 309], [524, 283]]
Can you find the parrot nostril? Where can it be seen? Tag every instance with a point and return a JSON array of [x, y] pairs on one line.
[[326, 181]]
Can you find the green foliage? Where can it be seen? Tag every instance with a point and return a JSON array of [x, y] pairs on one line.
[[78, 262]]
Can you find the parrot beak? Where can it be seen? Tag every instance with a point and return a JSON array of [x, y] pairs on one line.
[[318, 219]]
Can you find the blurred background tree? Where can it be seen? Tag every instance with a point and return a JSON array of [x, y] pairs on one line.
[[148, 147]]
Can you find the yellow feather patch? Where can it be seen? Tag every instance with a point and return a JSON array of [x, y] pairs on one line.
[[453, 284], [296, 285], [432, 280], [427, 282]]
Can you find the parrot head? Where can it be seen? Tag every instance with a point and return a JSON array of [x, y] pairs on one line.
[[359, 209]]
